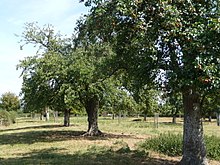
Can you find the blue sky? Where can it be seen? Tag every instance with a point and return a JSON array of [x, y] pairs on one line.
[[62, 14]]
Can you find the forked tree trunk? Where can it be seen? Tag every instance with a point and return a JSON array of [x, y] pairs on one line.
[[67, 117], [194, 151], [92, 112]]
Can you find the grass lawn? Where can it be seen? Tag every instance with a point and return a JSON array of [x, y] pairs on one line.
[[31, 141]]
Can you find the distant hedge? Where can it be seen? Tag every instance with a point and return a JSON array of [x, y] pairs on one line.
[[171, 144], [7, 118]]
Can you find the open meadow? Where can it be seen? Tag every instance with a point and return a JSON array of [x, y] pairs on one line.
[[31, 141]]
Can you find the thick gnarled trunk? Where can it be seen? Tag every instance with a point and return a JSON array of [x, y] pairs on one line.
[[92, 112], [194, 151], [67, 118]]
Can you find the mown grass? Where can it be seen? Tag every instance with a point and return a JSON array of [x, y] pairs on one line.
[[31, 141]]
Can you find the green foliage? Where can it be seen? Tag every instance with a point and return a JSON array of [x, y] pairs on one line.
[[171, 144], [147, 100], [173, 44], [5, 118], [173, 104], [213, 145], [13, 116], [10, 102], [177, 41]]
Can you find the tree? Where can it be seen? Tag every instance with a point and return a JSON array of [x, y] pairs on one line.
[[211, 106], [147, 100], [174, 43], [10, 102], [43, 75], [62, 75], [175, 101]]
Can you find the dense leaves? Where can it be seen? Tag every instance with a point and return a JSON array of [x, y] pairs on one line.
[[10, 102], [174, 44]]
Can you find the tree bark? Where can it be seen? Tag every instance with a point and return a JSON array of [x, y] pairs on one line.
[[210, 118], [174, 119], [67, 118], [218, 119], [113, 116], [194, 151], [47, 114], [145, 117], [174, 112], [92, 112], [55, 116], [41, 115]]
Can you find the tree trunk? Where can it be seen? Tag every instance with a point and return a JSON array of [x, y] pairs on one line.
[[55, 116], [210, 118], [42, 115], [47, 114], [174, 119], [174, 112], [194, 151], [67, 118], [145, 117], [113, 116], [92, 112], [218, 119]]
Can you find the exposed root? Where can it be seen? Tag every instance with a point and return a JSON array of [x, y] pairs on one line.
[[93, 133]]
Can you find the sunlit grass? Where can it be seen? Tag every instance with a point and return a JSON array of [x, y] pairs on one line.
[[31, 141]]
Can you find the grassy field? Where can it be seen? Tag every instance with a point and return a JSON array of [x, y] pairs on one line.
[[31, 141]]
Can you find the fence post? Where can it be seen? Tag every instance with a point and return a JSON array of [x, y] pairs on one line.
[[156, 120]]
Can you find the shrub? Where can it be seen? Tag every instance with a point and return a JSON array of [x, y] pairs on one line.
[[5, 118], [13, 116], [171, 144], [213, 147]]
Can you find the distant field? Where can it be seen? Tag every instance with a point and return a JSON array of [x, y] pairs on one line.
[[31, 141]]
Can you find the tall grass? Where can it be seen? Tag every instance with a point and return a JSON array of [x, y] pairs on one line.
[[171, 144]]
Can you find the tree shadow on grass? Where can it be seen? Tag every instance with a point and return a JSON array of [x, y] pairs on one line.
[[93, 156], [36, 136], [48, 126], [171, 124]]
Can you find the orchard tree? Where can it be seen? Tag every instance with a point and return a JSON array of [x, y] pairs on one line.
[[10, 102], [44, 81], [175, 102], [175, 44], [63, 74], [147, 100], [211, 106]]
